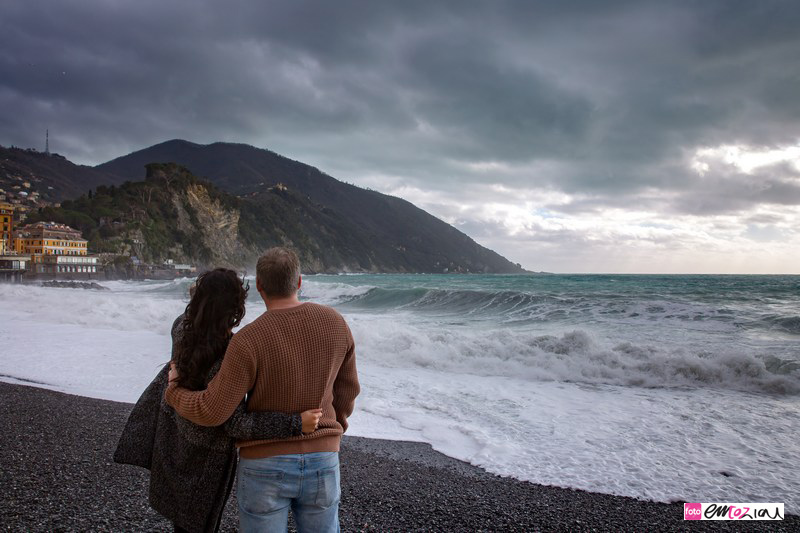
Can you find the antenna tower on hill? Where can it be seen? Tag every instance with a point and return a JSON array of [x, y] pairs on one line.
[[47, 143]]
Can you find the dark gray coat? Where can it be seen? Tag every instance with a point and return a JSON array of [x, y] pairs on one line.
[[192, 468]]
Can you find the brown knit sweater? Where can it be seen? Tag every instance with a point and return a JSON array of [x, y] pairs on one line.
[[291, 360]]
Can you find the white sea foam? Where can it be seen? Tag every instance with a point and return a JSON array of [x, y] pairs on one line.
[[574, 356], [661, 444], [101, 344], [124, 309], [555, 405]]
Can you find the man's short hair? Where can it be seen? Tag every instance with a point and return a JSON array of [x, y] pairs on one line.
[[278, 272]]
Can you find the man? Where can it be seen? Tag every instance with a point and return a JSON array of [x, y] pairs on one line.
[[294, 357]]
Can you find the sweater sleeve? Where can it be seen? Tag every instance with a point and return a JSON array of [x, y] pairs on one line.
[[346, 386], [214, 405], [262, 425]]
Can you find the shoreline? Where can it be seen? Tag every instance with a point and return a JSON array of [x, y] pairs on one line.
[[58, 474]]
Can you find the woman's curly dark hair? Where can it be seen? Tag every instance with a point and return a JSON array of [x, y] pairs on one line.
[[216, 306]]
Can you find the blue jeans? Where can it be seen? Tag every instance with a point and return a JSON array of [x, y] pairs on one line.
[[307, 483]]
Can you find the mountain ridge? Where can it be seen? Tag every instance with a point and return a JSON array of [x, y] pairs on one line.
[[417, 237], [336, 226]]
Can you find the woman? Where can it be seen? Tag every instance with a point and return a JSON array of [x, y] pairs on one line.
[[192, 468]]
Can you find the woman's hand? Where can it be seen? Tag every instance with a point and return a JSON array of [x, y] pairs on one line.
[[310, 420]]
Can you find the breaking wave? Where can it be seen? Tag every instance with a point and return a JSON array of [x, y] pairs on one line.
[[572, 357]]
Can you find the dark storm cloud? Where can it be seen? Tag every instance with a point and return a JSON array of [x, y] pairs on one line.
[[617, 94]]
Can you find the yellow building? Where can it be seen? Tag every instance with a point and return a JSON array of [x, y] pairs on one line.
[[6, 227], [55, 250], [43, 239]]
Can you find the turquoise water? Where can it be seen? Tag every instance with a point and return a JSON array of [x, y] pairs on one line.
[[700, 315], [767, 295]]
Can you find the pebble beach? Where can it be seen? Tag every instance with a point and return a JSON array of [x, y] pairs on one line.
[[58, 475]]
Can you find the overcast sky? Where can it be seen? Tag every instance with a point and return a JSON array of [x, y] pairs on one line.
[[593, 136]]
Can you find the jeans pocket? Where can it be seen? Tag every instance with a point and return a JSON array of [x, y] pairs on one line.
[[328, 491], [259, 490]]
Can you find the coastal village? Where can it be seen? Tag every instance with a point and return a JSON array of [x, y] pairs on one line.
[[31, 251], [48, 250], [43, 249]]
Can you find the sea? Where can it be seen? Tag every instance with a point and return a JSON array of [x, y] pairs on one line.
[[667, 388]]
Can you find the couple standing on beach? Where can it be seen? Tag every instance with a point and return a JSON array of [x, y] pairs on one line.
[[295, 364]]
